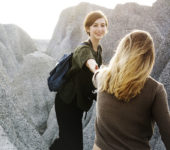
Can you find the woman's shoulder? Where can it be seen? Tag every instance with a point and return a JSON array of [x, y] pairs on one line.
[[83, 45], [82, 48], [153, 83], [82, 51]]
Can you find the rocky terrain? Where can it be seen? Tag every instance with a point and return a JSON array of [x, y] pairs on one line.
[[27, 116]]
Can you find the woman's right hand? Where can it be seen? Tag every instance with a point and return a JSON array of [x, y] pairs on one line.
[[92, 65]]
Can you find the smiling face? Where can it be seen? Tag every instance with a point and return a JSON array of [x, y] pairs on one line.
[[95, 25], [98, 29]]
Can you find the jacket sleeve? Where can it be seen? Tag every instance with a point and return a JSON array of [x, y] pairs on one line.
[[161, 114], [81, 55]]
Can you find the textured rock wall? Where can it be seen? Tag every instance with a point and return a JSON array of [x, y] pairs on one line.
[[25, 101]]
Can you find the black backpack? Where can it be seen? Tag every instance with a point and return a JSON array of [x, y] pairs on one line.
[[57, 76]]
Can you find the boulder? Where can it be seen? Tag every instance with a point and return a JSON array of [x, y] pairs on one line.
[[14, 44], [31, 90], [19, 131]]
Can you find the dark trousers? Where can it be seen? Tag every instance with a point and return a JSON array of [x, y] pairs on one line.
[[69, 119]]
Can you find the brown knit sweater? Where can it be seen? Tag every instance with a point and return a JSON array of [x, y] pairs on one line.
[[129, 126]]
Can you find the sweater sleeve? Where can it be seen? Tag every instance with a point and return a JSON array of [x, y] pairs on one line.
[[161, 114], [94, 79]]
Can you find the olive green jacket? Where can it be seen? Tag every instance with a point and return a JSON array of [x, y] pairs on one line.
[[79, 86]]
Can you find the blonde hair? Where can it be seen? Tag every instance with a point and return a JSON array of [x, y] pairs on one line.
[[129, 68], [92, 17]]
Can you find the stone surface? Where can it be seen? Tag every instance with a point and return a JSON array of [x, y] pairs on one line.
[[14, 44], [20, 131], [5, 143], [41, 44], [89, 130], [30, 87], [25, 101]]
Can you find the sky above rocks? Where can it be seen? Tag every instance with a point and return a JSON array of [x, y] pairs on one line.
[[39, 17]]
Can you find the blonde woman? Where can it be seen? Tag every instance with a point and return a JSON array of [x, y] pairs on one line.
[[129, 100]]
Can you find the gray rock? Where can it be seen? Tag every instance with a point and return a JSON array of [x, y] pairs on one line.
[[25, 101], [160, 14], [41, 44], [89, 130], [20, 131], [5, 143], [30, 88], [14, 44], [52, 131]]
